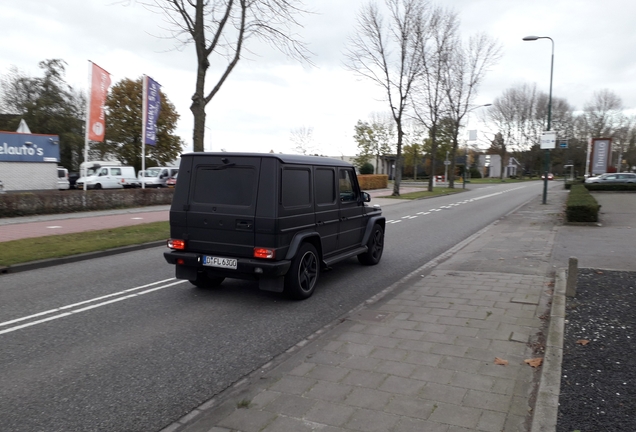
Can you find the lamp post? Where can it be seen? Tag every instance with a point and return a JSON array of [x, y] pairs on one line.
[[466, 156], [546, 157]]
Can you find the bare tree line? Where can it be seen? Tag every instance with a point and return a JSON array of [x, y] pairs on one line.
[[413, 50]]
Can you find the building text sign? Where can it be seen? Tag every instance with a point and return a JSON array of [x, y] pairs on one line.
[[21, 147], [601, 148]]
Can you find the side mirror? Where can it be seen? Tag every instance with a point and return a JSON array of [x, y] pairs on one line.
[[366, 197]]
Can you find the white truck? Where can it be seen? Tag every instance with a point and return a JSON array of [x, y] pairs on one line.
[[108, 177]]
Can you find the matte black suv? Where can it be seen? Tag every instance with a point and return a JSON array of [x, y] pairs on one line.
[[277, 219]]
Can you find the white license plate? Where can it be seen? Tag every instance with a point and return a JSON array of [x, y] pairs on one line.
[[212, 261]]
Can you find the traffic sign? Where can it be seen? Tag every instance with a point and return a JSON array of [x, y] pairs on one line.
[[548, 140], [447, 162]]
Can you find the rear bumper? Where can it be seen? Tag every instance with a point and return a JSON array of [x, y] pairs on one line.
[[247, 268]]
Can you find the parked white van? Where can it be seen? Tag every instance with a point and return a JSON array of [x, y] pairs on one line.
[[156, 177], [62, 178], [108, 177]]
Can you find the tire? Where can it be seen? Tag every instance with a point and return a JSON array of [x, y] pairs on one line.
[[98, 186], [205, 281], [302, 277], [375, 247]]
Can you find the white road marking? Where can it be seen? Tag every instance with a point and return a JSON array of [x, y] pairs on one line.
[[447, 207], [75, 305], [137, 218], [54, 226]]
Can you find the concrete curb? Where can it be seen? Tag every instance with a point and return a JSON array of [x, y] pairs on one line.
[[76, 258], [546, 407]]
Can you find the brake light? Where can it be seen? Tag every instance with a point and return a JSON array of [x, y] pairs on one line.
[[176, 244], [263, 253]]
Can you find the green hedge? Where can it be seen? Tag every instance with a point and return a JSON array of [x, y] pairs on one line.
[[373, 181], [70, 201], [611, 187], [581, 205]]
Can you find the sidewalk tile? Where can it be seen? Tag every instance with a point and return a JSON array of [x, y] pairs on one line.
[[411, 407], [372, 421], [329, 413]]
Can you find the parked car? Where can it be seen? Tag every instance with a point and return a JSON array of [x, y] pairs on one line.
[[72, 179], [172, 181], [156, 177], [62, 179], [276, 219], [613, 178]]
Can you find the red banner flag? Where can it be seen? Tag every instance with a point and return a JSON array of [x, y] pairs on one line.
[[100, 81]]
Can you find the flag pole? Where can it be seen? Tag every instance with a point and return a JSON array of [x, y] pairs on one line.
[[86, 126], [144, 109]]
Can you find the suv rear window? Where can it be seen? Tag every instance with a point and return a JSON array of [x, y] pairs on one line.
[[224, 185]]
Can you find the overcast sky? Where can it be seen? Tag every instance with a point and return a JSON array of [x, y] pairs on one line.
[[267, 95]]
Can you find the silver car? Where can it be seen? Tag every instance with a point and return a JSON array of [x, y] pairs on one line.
[[613, 178]]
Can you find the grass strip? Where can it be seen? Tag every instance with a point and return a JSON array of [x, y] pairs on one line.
[[63, 245], [423, 194]]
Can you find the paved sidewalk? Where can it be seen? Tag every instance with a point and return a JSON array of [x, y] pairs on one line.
[[421, 355]]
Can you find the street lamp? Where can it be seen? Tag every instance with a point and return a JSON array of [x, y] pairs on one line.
[[546, 157], [466, 156]]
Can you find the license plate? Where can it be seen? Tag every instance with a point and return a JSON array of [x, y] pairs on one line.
[[212, 261]]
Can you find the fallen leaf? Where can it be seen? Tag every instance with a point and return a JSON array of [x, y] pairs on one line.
[[583, 342], [535, 362], [501, 362], [599, 272]]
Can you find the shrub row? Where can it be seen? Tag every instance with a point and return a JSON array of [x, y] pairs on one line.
[[611, 187], [373, 181], [581, 205], [70, 201]]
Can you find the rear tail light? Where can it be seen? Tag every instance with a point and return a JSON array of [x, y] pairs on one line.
[[264, 253], [176, 244]]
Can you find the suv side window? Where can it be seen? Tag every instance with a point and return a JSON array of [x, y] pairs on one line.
[[296, 187], [345, 184], [325, 186]]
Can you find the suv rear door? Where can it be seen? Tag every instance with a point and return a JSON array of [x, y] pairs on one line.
[[221, 205]]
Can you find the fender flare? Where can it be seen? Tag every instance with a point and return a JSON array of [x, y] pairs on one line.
[[299, 239], [380, 220]]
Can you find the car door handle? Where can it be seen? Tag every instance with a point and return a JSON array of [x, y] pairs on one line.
[[244, 224]]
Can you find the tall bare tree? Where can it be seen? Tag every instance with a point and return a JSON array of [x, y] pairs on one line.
[[303, 137], [437, 42], [220, 29], [389, 54], [602, 114], [466, 69]]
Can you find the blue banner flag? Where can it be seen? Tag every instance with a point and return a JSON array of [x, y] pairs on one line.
[[153, 106]]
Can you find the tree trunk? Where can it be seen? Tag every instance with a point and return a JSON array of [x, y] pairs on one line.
[[452, 167], [198, 108], [398, 162]]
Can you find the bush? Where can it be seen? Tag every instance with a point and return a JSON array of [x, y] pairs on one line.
[[581, 205], [367, 168], [474, 173], [69, 201], [611, 187], [373, 181]]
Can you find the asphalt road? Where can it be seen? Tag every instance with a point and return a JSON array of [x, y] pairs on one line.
[[117, 344]]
